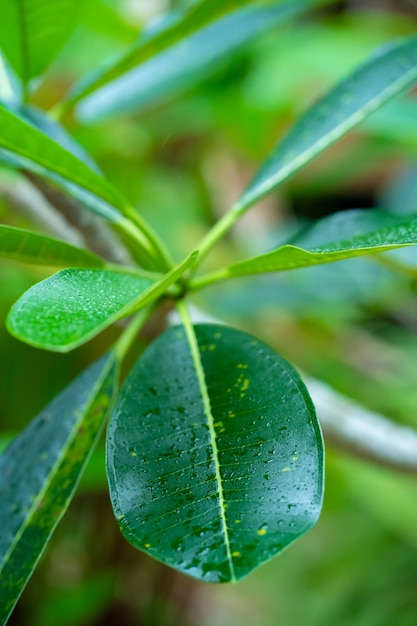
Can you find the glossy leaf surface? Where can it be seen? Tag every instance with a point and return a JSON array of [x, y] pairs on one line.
[[73, 306], [214, 454], [40, 470], [24, 245], [32, 32], [186, 63], [363, 232], [385, 75], [159, 39], [31, 149]]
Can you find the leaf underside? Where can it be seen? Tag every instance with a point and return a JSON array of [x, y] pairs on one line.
[[214, 461], [40, 470]]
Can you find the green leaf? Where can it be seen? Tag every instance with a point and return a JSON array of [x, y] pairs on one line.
[[40, 470], [196, 17], [24, 245], [186, 63], [10, 87], [214, 454], [73, 306], [32, 32], [30, 148], [393, 70], [363, 232]]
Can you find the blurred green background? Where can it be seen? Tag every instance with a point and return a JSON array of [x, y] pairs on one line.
[[183, 158]]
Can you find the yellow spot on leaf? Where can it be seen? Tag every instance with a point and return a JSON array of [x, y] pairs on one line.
[[262, 531], [286, 469], [231, 414], [218, 425], [212, 347], [294, 458], [217, 335], [133, 453], [147, 545], [245, 384], [237, 521], [236, 554], [242, 366]]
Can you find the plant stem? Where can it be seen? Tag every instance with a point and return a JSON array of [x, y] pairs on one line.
[[157, 244], [128, 335], [209, 279], [217, 232]]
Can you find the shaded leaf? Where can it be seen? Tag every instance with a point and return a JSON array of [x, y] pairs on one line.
[[159, 39], [40, 470], [385, 75], [186, 63], [363, 232], [214, 454], [32, 32], [10, 87], [29, 148], [73, 306], [24, 245]]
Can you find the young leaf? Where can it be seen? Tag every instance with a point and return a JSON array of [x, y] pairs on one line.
[[186, 63], [363, 232], [32, 32], [73, 306], [196, 17], [214, 454], [29, 148], [40, 470], [24, 245], [393, 70]]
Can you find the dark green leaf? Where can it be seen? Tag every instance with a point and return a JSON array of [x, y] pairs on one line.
[[40, 470], [24, 245], [29, 148], [214, 454], [32, 32], [385, 75], [159, 39], [363, 232], [73, 306], [186, 63]]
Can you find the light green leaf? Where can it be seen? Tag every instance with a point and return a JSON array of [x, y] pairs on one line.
[[73, 306], [335, 238], [32, 32], [196, 17], [29, 148], [186, 63], [214, 453], [24, 245], [40, 470], [393, 70]]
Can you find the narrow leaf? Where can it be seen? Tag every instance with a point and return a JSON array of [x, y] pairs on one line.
[[40, 470], [196, 17], [363, 232], [214, 454], [393, 70], [29, 148], [24, 245], [73, 306], [32, 32], [186, 63]]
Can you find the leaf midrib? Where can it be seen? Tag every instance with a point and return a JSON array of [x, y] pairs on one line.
[[24, 53], [199, 370]]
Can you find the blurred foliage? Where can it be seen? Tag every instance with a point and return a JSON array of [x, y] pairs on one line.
[[353, 324]]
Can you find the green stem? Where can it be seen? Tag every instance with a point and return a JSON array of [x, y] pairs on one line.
[[209, 279], [157, 244], [127, 337], [147, 255], [217, 232], [135, 271]]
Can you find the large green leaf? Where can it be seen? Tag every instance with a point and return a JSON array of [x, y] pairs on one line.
[[73, 306], [214, 454], [335, 238], [188, 62], [385, 75], [32, 32], [24, 245], [159, 39], [31, 149], [40, 470]]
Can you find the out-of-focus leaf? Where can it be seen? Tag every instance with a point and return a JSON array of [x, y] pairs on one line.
[[186, 63], [31, 149], [32, 32], [72, 306], [385, 75], [214, 454], [24, 245], [337, 237], [10, 87], [198, 16], [40, 470]]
